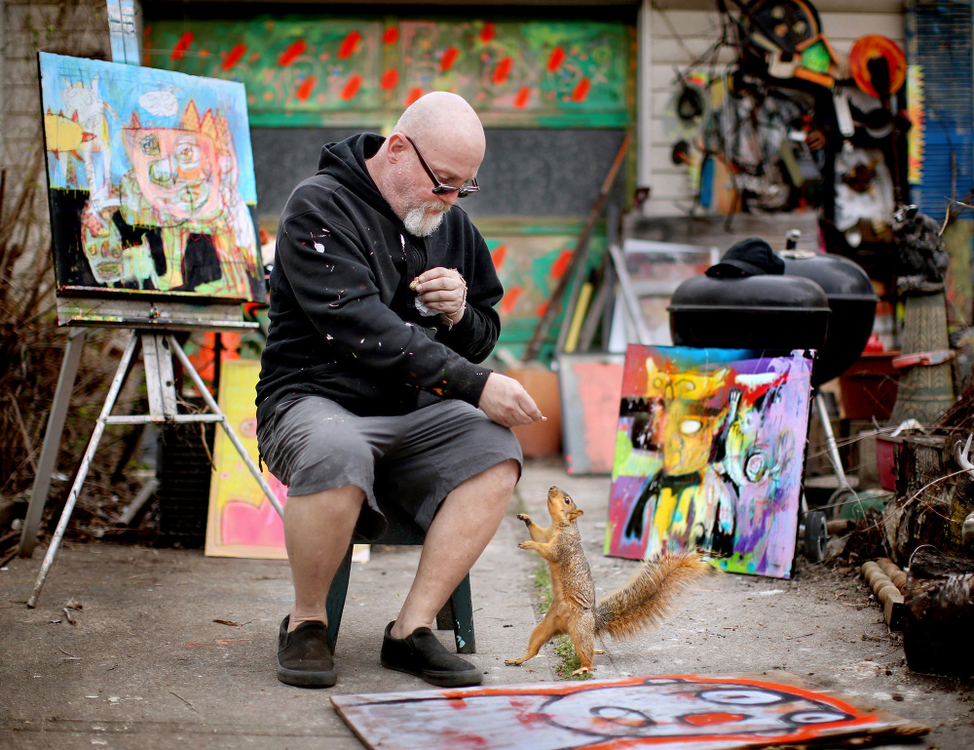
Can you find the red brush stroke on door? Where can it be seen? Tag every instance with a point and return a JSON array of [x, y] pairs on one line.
[[291, 53], [238, 51], [184, 43]]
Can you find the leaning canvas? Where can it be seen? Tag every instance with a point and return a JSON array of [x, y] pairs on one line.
[[151, 182], [709, 455]]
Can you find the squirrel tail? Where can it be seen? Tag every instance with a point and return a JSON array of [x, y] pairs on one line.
[[644, 601]]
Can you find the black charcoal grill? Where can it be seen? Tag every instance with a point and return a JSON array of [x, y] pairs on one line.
[[822, 301]]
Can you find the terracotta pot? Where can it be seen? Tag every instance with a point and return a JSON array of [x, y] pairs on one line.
[[541, 438]]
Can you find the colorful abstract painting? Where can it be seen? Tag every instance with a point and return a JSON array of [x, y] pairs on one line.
[[241, 522], [151, 182], [313, 69], [720, 712], [530, 264], [709, 455]]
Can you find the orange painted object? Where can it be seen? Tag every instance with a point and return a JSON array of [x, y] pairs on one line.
[[541, 438], [870, 47]]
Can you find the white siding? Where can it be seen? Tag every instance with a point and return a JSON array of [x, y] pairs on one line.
[[675, 35]]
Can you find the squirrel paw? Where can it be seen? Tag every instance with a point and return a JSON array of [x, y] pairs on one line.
[[525, 545], [513, 662], [582, 670], [523, 517]]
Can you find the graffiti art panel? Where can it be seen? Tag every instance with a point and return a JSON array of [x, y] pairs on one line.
[[709, 455]]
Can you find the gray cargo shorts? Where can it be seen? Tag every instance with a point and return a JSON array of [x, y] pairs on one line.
[[415, 460]]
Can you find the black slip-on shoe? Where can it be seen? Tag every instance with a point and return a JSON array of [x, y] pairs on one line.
[[303, 656], [421, 654]]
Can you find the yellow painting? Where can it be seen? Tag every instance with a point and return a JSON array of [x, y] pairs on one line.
[[241, 521]]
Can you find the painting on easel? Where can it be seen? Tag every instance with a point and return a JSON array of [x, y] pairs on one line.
[[151, 183], [709, 455]]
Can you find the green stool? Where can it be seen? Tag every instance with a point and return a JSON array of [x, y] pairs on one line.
[[457, 613]]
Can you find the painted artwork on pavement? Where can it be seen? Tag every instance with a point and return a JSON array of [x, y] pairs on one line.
[[677, 711], [151, 182], [709, 455]]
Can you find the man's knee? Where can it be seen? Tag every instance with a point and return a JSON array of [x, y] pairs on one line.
[[507, 474], [499, 480]]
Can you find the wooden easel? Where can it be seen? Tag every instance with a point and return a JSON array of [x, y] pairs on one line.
[[152, 330]]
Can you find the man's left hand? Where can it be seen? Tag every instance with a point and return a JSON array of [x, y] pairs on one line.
[[442, 289]]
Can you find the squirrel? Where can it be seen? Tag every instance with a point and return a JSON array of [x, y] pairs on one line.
[[638, 605]]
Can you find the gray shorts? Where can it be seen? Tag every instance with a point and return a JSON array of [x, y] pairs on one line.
[[312, 444]]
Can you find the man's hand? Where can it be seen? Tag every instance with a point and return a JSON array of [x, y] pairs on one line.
[[442, 289], [506, 402]]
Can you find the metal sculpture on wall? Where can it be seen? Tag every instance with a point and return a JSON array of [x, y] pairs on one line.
[[709, 455], [151, 182]]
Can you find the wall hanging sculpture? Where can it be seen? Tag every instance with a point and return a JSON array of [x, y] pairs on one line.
[[709, 455], [151, 182]]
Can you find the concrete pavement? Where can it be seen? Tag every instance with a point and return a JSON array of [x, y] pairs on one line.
[[147, 665]]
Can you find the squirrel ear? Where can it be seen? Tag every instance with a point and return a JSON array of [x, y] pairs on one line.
[[573, 514]]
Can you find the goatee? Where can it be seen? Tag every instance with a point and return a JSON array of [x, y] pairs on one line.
[[424, 220]]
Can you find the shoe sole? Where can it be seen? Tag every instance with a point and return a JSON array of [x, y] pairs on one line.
[[442, 679], [301, 678]]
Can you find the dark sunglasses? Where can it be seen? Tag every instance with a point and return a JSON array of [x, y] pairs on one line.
[[438, 187]]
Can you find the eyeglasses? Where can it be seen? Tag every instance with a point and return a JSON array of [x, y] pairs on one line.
[[438, 187]]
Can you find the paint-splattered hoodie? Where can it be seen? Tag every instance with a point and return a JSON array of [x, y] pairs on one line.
[[343, 321]]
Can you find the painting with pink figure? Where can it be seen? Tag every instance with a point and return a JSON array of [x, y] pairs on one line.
[[241, 521]]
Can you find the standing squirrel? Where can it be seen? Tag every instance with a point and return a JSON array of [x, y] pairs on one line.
[[638, 605]]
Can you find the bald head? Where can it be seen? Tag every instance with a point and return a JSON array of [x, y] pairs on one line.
[[438, 141], [444, 118]]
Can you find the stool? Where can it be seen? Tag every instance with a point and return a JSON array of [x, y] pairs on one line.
[[457, 613]]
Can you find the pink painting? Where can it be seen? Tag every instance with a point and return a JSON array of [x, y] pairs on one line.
[[590, 387], [241, 521]]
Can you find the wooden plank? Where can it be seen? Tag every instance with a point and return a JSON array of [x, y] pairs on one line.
[[147, 313]]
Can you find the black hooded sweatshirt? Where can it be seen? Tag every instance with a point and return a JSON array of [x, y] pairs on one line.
[[343, 321]]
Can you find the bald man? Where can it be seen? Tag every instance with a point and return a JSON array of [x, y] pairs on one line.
[[371, 390]]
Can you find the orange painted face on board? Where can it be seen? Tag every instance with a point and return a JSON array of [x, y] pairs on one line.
[[687, 424], [177, 171]]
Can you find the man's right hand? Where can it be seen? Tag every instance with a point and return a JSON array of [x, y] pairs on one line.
[[506, 402]]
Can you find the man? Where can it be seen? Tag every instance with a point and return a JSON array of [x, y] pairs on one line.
[[382, 300]]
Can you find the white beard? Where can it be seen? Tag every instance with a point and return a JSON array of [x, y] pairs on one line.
[[423, 221]]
